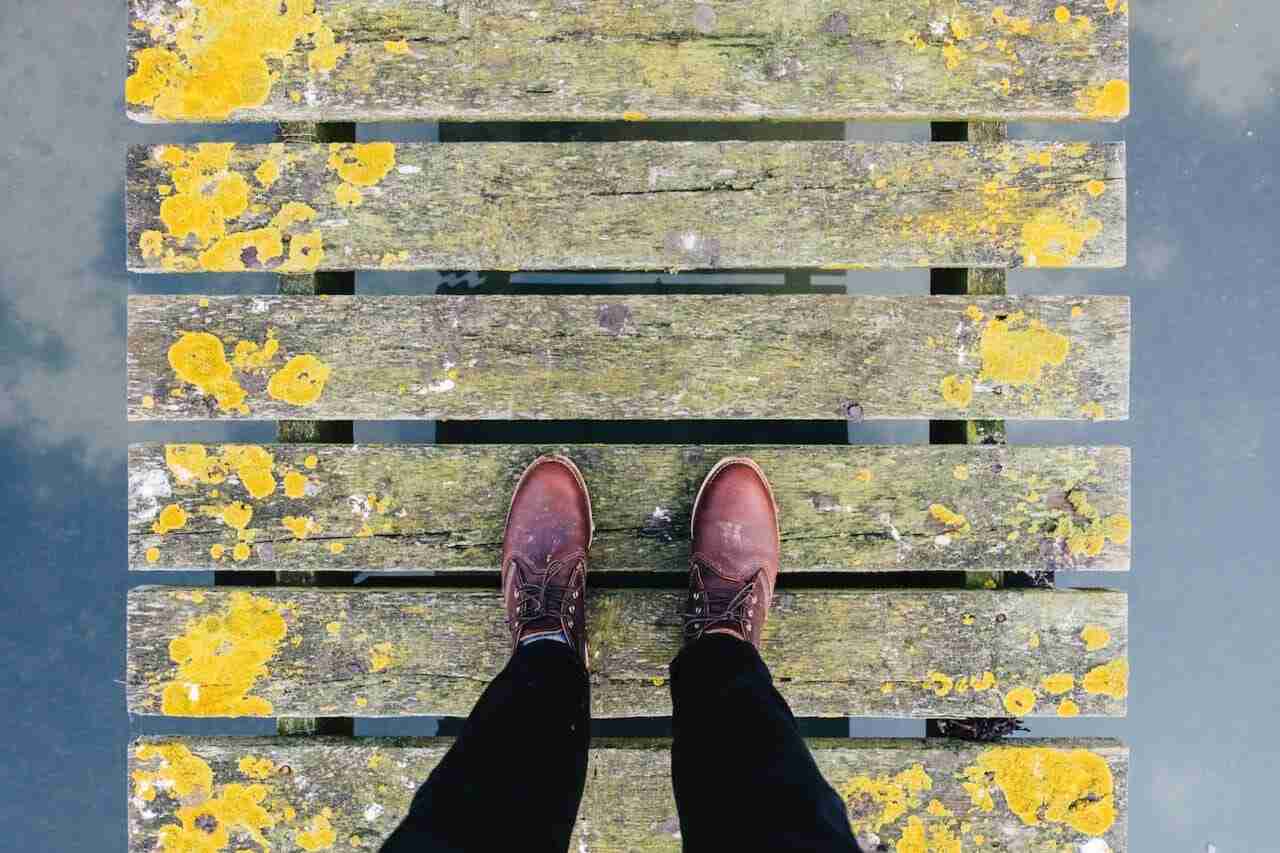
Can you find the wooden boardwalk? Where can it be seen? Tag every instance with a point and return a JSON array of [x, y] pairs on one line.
[[873, 616]]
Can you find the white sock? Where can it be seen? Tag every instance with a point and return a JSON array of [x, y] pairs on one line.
[[548, 635]]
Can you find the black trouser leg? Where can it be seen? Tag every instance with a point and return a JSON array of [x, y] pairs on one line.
[[513, 779], [744, 779]]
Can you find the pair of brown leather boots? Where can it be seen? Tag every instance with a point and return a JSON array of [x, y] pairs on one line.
[[731, 576]]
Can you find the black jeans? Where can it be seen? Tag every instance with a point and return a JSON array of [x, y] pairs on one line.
[[743, 777]]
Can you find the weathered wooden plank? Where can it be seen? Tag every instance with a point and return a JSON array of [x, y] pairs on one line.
[[842, 508], [466, 357], [391, 652], [625, 205], [380, 60], [362, 789]]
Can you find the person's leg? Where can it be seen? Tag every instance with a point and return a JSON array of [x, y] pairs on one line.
[[743, 777], [514, 777]]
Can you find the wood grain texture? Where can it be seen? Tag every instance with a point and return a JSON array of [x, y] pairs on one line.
[[629, 357], [395, 652], [367, 785], [629, 206], [859, 509], [491, 60]]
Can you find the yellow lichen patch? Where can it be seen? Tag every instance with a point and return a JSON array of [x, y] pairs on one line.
[[230, 253], [336, 548], [362, 165], [198, 358], [380, 656], [256, 767], [1062, 14], [1117, 528], [1040, 784], [891, 796], [214, 60], [311, 462], [939, 683], [953, 521], [1110, 679], [216, 551], [172, 517], [1014, 355], [180, 774], [254, 466], [1093, 410], [291, 213], [295, 485], [937, 809], [952, 56], [376, 761], [347, 195], [961, 28], [1058, 683], [300, 527], [151, 244], [974, 313], [152, 555], [249, 355], [300, 381], [1055, 238], [864, 475], [1095, 637], [221, 656], [1013, 25], [984, 682], [960, 472], [267, 173], [1108, 101], [1095, 188], [887, 688], [956, 391], [1068, 708], [148, 402], [400, 47], [241, 552], [1077, 311], [306, 251], [207, 827], [1020, 701], [236, 515], [1033, 641], [319, 834], [333, 629]]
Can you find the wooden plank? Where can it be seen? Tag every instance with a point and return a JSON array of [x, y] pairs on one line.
[[859, 509], [392, 60], [627, 357], [391, 652], [625, 205], [366, 786]]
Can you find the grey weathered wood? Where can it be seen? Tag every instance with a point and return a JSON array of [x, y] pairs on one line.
[[795, 357], [541, 60], [859, 509], [636, 205], [367, 784], [395, 652]]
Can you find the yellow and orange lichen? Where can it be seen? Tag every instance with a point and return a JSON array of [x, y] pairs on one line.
[[300, 527], [1073, 787], [249, 355], [319, 834], [241, 552], [984, 682], [220, 56], [256, 767], [199, 359], [1093, 410], [172, 517], [300, 382], [399, 48], [1108, 101], [295, 485], [152, 555], [179, 773], [953, 521], [346, 195], [267, 173], [1089, 539], [1020, 701], [1095, 637], [956, 391], [221, 656], [1110, 679], [1058, 683], [362, 165], [1068, 708], [960, 472], [939, 683], [1016, 351], [886, 798]]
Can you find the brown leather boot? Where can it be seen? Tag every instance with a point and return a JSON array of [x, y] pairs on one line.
[[735, 553], [544, 553]]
